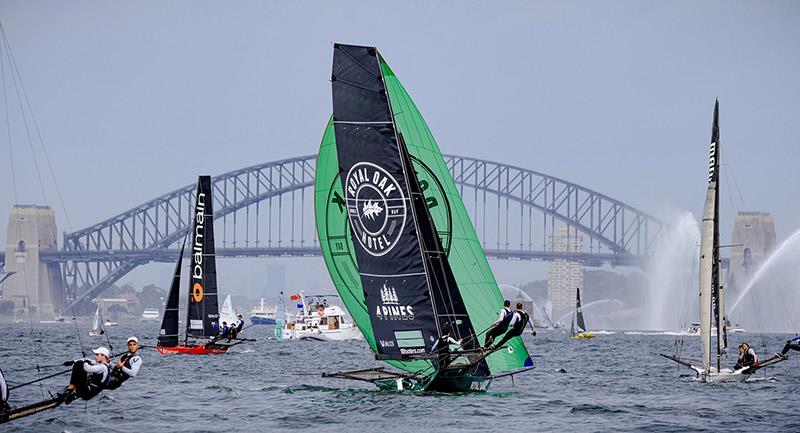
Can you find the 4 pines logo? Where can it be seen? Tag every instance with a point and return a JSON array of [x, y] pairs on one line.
[[390, 310], [376, 207], [388, 295]]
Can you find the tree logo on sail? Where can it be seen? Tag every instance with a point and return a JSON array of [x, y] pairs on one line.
[[388, 295], [376, 207], [390, 308]]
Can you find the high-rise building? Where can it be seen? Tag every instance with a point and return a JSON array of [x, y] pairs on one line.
[[754, 238], [563, 276], [36, 286]]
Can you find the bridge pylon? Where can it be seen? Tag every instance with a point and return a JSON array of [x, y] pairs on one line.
[[36, 285]]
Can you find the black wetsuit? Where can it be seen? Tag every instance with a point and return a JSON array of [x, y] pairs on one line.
[[88, 383], [132, 363], [517, 326], [793, 344], [442, 349], [747, 359], [501, 326]]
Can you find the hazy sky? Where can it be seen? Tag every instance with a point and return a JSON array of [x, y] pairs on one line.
[[136, 99]]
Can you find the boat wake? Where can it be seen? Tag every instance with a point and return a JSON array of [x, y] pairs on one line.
[[672, 333]]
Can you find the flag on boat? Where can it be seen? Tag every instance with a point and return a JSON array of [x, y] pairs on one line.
[[295, 297]]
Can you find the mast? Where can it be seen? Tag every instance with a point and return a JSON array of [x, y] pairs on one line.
[[168, 335], [710, 300], [203, 315]]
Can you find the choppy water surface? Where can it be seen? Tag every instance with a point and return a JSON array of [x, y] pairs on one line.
[[612, 383]]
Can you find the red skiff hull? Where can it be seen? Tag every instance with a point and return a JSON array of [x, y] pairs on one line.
[[191, 350]]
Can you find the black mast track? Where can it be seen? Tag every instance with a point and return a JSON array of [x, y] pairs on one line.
[[715, 271]]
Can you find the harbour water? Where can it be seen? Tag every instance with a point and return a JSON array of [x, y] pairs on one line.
[[614, 382]]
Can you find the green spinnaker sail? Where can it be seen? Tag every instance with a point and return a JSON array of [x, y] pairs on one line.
[[475, 280]]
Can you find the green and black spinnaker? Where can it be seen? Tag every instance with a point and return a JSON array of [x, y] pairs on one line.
[[396, 237]]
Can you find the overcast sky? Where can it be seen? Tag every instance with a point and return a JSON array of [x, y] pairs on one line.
[[136, 99]]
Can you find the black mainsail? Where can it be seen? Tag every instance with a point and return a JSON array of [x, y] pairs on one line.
[[410, 290], [203, 312], [579, 312]]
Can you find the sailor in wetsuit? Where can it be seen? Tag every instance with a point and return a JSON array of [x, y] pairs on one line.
[[3, 393], [747, 358], [237, 327], [501, 325], [442, 347], [793, 344], [127, 367], [224, 331], [516, 326], [88, 379]]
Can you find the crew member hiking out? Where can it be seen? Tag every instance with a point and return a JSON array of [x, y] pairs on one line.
[[442, 347], [501, 325], [516, 326], [747, 358], [793, 344], [237, 328], [127, 367], [88, 378]]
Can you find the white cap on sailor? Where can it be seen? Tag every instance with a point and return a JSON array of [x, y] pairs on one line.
[[133, 339], [102, 351]]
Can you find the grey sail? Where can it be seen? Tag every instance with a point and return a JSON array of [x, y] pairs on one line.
[[710, 301]]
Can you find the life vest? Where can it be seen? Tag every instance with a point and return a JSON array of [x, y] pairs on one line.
[[506, 318], [442, 345], [522, 322], [117, 377], [748, 358], [96, 380]]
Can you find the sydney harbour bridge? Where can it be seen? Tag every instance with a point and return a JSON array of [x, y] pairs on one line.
[[267, 210]]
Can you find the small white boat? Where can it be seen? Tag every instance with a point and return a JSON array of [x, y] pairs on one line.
[[319, 320], [150, 315], [108, 323], [97, 324]]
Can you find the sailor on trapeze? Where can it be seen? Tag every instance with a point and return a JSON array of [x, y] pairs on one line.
[[499, 327], [793, 344], [516, 326], [88, 378], [127, 367]]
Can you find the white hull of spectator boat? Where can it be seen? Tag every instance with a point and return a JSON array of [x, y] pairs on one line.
[[346, 332], [323, 323]]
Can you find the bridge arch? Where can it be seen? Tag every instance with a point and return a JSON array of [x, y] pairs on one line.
[[97, 256]]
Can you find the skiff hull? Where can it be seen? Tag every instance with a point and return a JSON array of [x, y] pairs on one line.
[[203, 349]]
